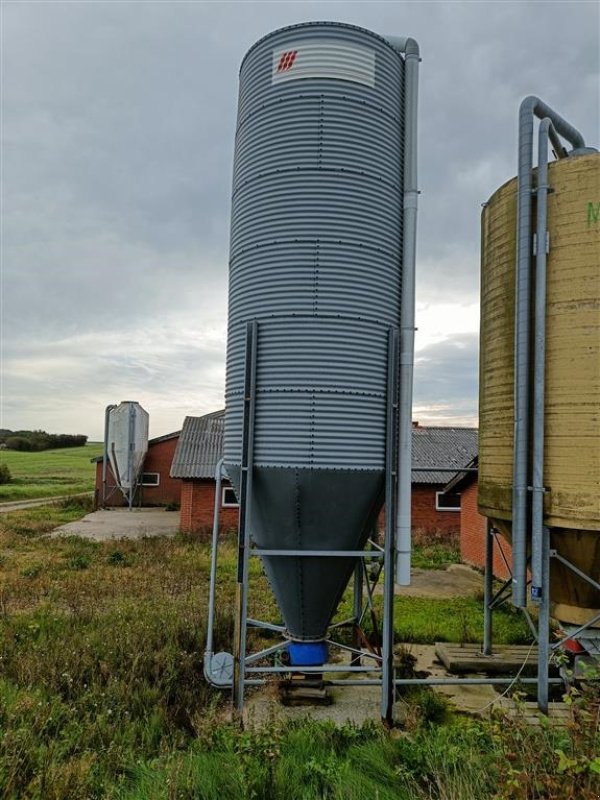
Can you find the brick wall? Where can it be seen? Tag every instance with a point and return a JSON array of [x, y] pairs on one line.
[[158, 459], [426, 521], [197, 508], [472, 535]]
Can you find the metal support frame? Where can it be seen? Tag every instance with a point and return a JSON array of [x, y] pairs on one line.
[[240, 670], [540, 631], [244, 669]]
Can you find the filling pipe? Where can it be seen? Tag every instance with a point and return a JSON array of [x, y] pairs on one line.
[[530, 107], [208, 650], [410, 49], [539, 379]]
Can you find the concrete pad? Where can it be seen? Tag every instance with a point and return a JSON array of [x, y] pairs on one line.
[[121, 523], [353, 704], [360, 704], [477, 700], [457, 580]]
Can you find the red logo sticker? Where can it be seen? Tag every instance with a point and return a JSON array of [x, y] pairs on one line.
[[286, 62]]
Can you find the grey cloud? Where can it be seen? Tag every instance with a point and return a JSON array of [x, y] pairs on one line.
[[119, 122], [446, 381]]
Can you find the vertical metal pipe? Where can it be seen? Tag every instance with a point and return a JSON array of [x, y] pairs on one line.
[[208, 650], [387, 663], [488, 590], [131, 474], [529, 107], [246, 474], [539, 364], [357, 607], [107, 411], [544, 626], [521, 372], [410, 49]]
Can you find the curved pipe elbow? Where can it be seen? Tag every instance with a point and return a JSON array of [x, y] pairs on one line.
[[406, 45], [532, 105]]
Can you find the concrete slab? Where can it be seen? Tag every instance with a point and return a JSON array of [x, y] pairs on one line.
[[457, 580], [353, 704], [360, 704], [505, 660], [121, 523], [476, 700]]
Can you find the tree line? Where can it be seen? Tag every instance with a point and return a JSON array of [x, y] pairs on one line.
[[39, 440]]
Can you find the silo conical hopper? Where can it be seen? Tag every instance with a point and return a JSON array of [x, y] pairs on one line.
[[126, 440], [572, 376], [315, 260]]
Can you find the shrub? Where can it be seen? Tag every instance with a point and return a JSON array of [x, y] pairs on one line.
[[18, 443], [5, 476], [79, 561]]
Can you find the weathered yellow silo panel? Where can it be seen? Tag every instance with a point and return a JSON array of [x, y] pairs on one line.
[[572, 408]]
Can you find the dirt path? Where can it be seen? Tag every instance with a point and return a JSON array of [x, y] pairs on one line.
[[18, 505]]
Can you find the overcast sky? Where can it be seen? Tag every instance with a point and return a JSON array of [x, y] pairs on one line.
[[118, 130]]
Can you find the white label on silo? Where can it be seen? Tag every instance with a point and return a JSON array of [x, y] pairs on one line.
[[320, 58]]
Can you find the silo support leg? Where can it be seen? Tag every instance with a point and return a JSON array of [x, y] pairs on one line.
[[357, 611], [488, 589], [387, 662], [246, 472], [544, 625]]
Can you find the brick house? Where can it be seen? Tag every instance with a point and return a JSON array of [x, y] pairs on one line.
[[434, 513], [473, 526], [198, 452], [158, 487], [435, 509]]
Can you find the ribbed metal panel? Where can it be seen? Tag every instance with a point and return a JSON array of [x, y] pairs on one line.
[[127, 442], [319, 58], [316, 245], [199, 447], [441, 447]]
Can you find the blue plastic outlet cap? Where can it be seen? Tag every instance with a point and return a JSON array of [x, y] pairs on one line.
[[308, 654]]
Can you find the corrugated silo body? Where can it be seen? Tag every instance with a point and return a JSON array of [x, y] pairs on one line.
[[127, 442], [316, 260], [572, 402]]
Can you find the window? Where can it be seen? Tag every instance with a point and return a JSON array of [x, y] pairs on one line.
[[150, 478], [447, 502], [229, 500]]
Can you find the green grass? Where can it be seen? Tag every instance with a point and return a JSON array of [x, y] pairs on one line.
[[50, 473], [435, 554], [102, 692]]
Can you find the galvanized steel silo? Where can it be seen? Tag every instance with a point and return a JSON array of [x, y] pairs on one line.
[[315, 259]]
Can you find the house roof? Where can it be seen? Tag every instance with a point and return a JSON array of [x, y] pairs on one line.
[[459, 482], [446, 448], [157, 440], [200, 446]]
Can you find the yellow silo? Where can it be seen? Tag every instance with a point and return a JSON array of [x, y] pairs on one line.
[[572, 394]]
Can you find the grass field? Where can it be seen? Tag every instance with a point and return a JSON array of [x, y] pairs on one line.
[[102, 694], [50, 473]]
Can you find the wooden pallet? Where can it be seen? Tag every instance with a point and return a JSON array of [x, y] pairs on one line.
[[504, 659]]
